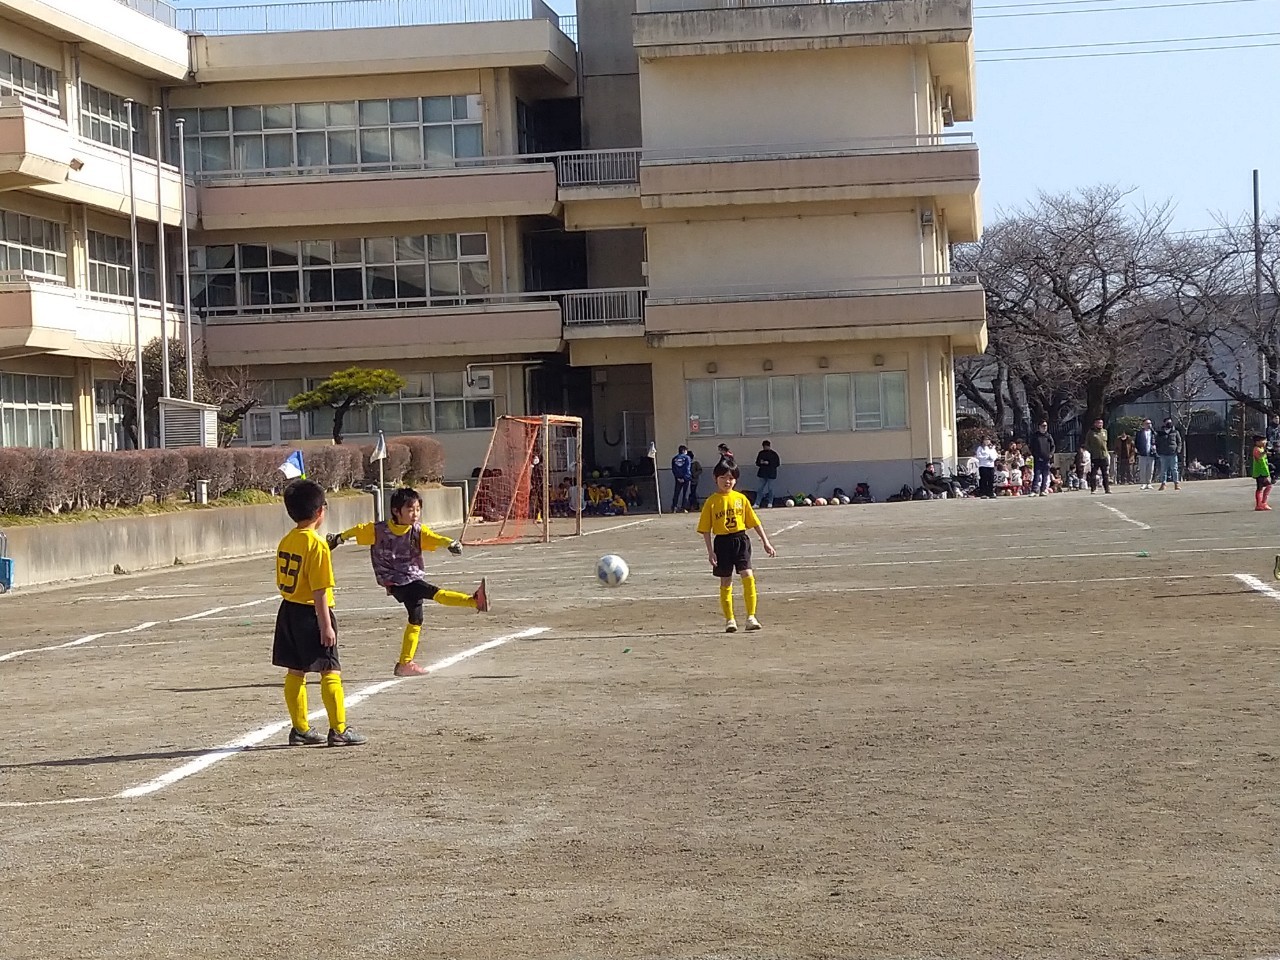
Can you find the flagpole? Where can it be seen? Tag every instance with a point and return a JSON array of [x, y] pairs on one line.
[[140, 416]]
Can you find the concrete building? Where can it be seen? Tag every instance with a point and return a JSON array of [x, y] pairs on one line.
[[709, 221]]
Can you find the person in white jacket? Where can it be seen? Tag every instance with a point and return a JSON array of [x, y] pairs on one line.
[[986, 455]]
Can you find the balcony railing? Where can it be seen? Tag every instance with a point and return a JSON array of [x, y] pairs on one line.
[[155, 9], [851, 286], [10, 277], [811, 148], [679, 6], [622, 305], [388, 167], [592, 168], [351, 14], [618, 305]]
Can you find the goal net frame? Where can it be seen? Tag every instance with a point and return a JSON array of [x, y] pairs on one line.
[[538, 443]]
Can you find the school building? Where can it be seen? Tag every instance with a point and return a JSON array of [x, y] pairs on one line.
[[686, 221]]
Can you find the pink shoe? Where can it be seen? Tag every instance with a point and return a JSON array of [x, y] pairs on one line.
[[481, 596], [410, 669]]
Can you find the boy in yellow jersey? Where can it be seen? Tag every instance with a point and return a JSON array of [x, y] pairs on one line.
[[306, 639], [728, 515], [396, 547]]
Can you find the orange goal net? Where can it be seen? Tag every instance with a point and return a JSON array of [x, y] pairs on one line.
[[530, 485]]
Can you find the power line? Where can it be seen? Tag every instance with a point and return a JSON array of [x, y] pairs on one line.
[[1109, 9], [1125, 53], [1128, 43]]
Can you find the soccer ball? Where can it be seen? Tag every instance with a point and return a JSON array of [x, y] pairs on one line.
[[790, 502], [808, 501], [833, 502], [821, 502], [844, 500], [612, 571]]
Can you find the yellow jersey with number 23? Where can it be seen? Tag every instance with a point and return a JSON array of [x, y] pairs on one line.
[[303, 566], [726, 513]]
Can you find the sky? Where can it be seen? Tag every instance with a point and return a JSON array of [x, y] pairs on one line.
[[1189, 128]]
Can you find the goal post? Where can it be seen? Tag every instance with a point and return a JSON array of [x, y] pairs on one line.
[[530, 484]]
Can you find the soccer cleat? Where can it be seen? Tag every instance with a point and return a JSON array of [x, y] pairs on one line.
[[731, 626], [753, 624], [305, 738], [481, 596], [347, 738], [410, 669]]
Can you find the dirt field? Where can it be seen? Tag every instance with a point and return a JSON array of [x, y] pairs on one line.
[[1028, 727]]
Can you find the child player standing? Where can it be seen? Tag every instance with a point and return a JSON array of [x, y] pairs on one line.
[[306, 639], [396, 548], [1261, 472], [728, 515]]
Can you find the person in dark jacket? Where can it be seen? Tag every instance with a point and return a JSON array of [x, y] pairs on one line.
[[1099, 447], [936, 483], [1144, 442], [681, 474], [767, 463], [1168, 446], [1042, 450]]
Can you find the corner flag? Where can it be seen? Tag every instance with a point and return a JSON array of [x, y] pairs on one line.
[[379, 449], [293, 468]]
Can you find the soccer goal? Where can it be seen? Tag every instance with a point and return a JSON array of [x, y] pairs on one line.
[[530, 486]]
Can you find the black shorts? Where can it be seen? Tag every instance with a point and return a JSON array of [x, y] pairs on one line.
[[297, 643], [733, 552], [1263, 482], [412, 595]]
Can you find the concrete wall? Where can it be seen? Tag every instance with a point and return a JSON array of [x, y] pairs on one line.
[[792, 253], [779, 98], [53, 552]]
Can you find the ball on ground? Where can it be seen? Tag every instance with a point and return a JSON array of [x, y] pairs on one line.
[[789, 502], [612, 570], [820, 502]]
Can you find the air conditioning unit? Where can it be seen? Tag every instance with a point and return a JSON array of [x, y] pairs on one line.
[[948, 115], [479, 384]]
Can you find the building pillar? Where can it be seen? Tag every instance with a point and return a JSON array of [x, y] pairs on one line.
[[499, 112], [78, 246], [83, 412], [71, 86]]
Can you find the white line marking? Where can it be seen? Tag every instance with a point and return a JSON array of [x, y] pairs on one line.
[[1253, 583], [1137, 523], [262, 733], [620, 526], [147, 625], [789, 526]]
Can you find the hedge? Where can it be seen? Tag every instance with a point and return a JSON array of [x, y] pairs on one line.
[[394, 468]]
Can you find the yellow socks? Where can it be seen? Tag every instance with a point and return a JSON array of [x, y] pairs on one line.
[[335, 703], [726, 600], [749, 594], [409, 645], [295, 698], [451, 598]]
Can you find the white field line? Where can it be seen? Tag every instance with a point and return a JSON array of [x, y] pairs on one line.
[[255, 737], [1137, 523], [789, 526], [1253, 583], [617, 526], [147, 625]]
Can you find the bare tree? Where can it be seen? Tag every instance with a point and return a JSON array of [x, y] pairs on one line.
[[1078, 289]]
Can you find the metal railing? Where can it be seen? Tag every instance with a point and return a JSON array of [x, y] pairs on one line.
[[353, 14], [589, 168], [11, 277], [809, 148], [388, 167], [620, 305], [851, 286], [679, 6], [155, 9]]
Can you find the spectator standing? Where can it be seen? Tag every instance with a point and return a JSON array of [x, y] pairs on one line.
[[1144, 442], [1042, 450], [986, 454], [695, 474], [1099, 447], [1125, 452], [1273, 443], [1168, 446], [726, 456], [767, 463], [681, 474]]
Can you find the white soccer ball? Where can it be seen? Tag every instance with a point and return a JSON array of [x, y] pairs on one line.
[[821, 502], [790, 502], [833, 502], [612, 571], [845, 500], [808, 501]]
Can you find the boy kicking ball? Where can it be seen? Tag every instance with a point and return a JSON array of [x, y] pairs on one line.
[[728, 515], [396, 548]]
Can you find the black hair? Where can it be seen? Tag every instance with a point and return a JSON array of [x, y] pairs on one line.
[[404, 497], [303, 500], [683, 449], [726, 466], [1259, 439], [766, 443]]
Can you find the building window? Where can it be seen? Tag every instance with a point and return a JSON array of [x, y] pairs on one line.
[[105, 118], [403, 133], [109, 260], [370, 273], [816, 403], [24, 78], [33, 245], [35, 411]]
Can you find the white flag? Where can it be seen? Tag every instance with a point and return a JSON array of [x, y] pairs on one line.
[[294, 466], [379, 450]]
